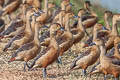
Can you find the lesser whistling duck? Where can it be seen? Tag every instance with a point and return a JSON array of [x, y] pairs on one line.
[[107, 15], [10, 6], [106, 29], [30, 50], [64, 4], [111, 35], [80, 31], [26, 37], [50, 54], [44, 16], [108, 65], [66, 40], [86, 59], [97, 27], [90, 20], [109, 44]]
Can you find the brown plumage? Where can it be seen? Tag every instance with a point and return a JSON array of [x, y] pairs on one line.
[[87, 58], [10, 7], [28, 35], [79, 32], [29, 50], [13, 28], [47, 13], [108, 65], [51, 53]]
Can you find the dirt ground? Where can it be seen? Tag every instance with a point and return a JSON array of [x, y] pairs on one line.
[[14, 70]]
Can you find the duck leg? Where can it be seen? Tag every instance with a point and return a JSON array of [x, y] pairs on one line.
[[28, 66], [25, 66], [105, 77], [59, 60], [84, 72], [44, 73], [9, 17], [116, 78]]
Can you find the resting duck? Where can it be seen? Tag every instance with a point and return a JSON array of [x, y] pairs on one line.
[[10, 7], [51, 53], [29, 50], [108, 65]]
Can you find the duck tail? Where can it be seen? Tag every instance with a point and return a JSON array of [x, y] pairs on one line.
[[11, 60], [73, 65]]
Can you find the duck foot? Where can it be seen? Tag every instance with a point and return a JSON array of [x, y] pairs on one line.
[[44, 73], [59, 60]]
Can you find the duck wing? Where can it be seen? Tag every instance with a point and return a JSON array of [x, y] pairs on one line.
[[39, 55], [12, 27], [18, 36], [24, 47], [116, 62], [44, 36], [79, 57]]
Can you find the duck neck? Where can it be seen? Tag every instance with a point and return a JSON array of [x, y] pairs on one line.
[[36, 36], [67, 24], [46, 7], [114, 29], [103, 51], [94, 35], [107, 24], [92, 12], [61, 19], [53, 40], [116, 49], [80, 25], [28, 28], [33, 23]]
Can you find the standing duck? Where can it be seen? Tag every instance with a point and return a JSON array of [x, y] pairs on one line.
[[86, 59], [30, 50], [50, 54], [79, 32], [108, 65]]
